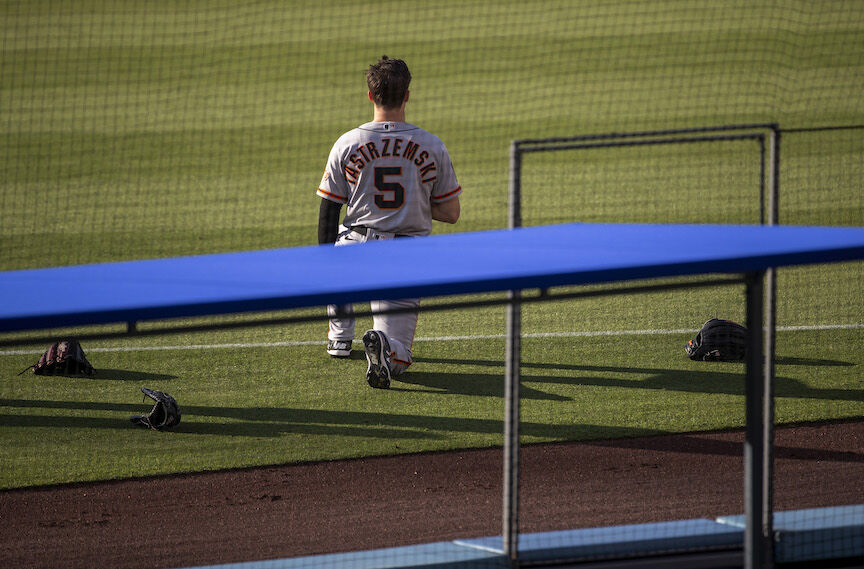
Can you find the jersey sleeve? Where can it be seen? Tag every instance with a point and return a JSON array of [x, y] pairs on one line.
[[334, 186], [446, 186]]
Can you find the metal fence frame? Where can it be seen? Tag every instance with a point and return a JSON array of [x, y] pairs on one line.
[[761, 313], [759, 436]]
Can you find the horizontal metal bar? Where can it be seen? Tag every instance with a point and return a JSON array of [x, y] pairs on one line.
[[709, 558], [649, 142], [671, 132], [646, 133], [541, 296], [824, 128]]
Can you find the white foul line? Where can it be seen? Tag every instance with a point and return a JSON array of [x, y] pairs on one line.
[[586, 334]]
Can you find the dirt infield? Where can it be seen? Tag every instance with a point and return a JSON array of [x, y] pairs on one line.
[[373, 503]]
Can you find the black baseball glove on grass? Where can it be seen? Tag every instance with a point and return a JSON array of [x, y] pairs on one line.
[[718, 340]]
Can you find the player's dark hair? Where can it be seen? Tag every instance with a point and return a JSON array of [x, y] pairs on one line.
[[388, 82]]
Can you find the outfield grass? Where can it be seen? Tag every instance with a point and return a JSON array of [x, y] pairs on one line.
[[250, 406], [205, 127], [144, 131]]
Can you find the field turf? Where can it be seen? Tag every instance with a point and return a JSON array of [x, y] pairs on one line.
[[131, 132]]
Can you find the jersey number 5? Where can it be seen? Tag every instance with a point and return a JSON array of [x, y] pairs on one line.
[[397, 198]]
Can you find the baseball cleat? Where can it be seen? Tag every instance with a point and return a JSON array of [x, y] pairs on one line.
[[378, 355], [339, 348]]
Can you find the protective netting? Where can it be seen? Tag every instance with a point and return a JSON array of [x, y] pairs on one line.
[[158, 128]]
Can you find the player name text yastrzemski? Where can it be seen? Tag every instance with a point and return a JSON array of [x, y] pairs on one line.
[[410, 151]]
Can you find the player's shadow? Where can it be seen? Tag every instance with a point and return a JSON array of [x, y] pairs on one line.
[[717, 378], [474, 384]]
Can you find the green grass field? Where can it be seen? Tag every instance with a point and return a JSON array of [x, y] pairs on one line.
[[160, 129]]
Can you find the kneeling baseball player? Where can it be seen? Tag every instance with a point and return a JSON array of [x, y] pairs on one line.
[[395, 178]]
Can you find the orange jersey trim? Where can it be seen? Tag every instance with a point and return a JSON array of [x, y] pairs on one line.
[[334, 196], [447, 195], [403, 362]]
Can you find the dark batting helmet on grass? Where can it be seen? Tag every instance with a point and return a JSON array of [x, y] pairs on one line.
[[165, 412]]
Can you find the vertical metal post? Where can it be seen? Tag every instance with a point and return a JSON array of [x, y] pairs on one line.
[[762, 167], [769, 332], [511, 429], [514, 213], [767, 363], [512, 355], [756, 542], [774, 160]]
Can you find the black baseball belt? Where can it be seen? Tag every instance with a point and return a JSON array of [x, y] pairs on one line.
[[362, 230]]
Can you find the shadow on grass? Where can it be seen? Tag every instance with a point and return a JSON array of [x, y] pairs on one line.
[[481, 385], [701, 444], [277, 421], [127, 375], [264, 422], [723, 378], [115, 375], [793, 361]]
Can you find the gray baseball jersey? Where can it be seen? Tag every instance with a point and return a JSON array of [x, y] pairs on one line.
[[388, 173]]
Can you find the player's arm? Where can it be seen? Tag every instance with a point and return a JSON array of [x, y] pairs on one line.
[[328, 221], [448, 211]]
